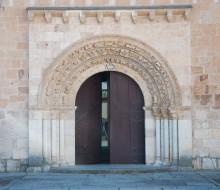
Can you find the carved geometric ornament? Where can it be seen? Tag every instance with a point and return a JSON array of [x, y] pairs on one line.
[[105, 53]]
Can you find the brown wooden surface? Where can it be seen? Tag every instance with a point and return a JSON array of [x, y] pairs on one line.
[[126, 121], [88, 121]]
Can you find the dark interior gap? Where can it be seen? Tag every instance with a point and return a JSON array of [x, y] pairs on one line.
[[105, 151]]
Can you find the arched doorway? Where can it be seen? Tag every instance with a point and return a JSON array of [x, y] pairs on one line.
[[110, 120], [56, 106]]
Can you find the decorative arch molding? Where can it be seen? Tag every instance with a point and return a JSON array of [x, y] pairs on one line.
[[101, 53]]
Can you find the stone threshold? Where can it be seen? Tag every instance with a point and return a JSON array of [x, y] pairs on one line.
[[111, 169]]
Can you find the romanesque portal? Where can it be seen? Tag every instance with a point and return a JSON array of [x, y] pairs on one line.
[[105, 53]]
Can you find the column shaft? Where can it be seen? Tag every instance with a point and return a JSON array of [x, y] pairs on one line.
[[166, 141], [158, 142], [53, 140], [45, 140], [175, 142], [62, 141]]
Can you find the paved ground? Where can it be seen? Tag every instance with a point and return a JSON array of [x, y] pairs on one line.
[[161, 181]]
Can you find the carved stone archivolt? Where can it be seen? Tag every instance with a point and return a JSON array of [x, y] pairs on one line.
[[146, 66]]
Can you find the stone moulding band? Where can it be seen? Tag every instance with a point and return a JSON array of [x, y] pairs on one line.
[[169, 11], [113, 7]]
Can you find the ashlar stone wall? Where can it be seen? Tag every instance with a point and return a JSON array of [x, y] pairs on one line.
[[191, 48], [205, 46]]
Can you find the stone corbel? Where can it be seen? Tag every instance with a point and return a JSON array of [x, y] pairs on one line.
[[134, 16], [30, 16], [117, 16], [170, 16], [48, 16], [187, 14], [82, 17], [100, 17], [152, 15], [65, 16]]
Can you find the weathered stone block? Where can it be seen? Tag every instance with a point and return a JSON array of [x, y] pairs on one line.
[[35, 161], [13, 165], [3, 165], [209, 163]]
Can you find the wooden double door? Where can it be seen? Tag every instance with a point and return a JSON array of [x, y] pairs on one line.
[[125, 120]]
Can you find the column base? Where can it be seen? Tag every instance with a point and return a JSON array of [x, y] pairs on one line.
[[174, 162], [62, 163], [157, 163], [166, 163]]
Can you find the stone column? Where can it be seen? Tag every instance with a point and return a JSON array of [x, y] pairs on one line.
[[174, 128], [70, 135], [62, 141], [74, 133], [54, 141], [149, 136], [166, 141], [157, 115], [46, 125]]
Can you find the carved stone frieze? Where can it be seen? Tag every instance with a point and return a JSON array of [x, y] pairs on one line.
[[111, 52]]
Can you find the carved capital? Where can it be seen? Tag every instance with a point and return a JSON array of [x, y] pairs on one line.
[[146, 108], [165, 113], [48, 16], [156, 112], [62, 114], [173, 115], [54, 115]]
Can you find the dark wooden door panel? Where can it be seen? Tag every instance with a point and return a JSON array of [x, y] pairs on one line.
[[126, 121], [88, 121]]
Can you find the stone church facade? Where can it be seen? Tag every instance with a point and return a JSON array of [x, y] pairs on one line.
[[170, 48]]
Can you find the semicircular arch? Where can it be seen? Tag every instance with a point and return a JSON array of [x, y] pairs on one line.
[[87, 57]]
